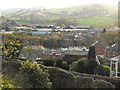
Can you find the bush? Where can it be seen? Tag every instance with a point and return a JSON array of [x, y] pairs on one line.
[[65, 66], [14, 64], [48, 62], [99, 70], [90, 67], [65, 79], [103, 84], [60, 78], [106, 70], [102, 70], [78, 66], [11, 67], [32, 75], [59, 63]]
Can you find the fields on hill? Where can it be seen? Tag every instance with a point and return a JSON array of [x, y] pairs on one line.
[[91, 14], [93, 21], [96, 21]]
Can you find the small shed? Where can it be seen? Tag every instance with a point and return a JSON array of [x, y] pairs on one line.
[[114, 65]]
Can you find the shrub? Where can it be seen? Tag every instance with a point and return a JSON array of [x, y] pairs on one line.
[[11, 67], [65, 65], [102, 70], [59, 63], [61, 78], [14, 64], [90, 67], [78, 66], [106, 70], [31, 75], [74, 66], [103, 84], [48, 62], [99, 70], [65, 79]]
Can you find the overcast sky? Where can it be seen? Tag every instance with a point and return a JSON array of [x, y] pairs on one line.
[[8, 4]]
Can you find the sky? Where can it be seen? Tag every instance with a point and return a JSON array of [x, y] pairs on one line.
[[9, 4]]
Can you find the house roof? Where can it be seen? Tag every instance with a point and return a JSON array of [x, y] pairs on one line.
[[99, 43], [117, 58], [113, 47]]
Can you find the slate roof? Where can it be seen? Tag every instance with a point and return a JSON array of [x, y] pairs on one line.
[[68, 57], [115, 47]]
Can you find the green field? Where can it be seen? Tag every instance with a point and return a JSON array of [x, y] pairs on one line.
[[90, 14], [96, 21], [93, 21]]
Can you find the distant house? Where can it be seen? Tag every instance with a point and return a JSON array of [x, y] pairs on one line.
[[108, 52], [44, 26], [112, 51], [83, 27], [83, 53], [100, 48], [114, 65]]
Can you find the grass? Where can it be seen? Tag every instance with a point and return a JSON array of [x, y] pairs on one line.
[[90, 21], [95, 21]]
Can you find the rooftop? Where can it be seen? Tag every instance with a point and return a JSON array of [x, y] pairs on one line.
[[117, 58]]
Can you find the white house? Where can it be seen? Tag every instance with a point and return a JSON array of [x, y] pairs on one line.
[[114, 63]]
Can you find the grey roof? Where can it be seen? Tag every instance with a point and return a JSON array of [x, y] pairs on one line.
[[71, 57], [114, 47]]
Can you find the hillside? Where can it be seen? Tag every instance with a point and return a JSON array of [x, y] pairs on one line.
[[105, 10], [90, 14]]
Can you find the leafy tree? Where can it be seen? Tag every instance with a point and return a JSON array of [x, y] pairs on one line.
[[12, 48], [64, 22], [6, 84], [32, 75], [109, 37]]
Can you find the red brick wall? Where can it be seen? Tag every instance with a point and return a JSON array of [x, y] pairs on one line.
[[99, 50]]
